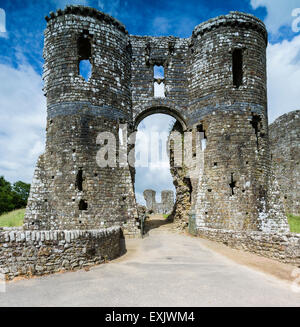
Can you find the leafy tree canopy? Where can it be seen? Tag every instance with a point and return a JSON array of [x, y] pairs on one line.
[[13, 196]]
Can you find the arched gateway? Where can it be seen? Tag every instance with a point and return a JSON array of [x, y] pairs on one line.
[[161, 110], [214, 82]]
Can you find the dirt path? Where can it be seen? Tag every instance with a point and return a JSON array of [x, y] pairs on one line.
[[277, 269], [165, 268]]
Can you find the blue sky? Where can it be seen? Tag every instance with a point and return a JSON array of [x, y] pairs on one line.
[[25, 20], [23, 106]]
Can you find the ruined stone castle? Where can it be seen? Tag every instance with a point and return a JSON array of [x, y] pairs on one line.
[[214, 84], [163, 207]]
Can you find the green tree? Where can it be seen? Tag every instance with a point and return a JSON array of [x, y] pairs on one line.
[[13, 196], [21, 190], [6, 196]]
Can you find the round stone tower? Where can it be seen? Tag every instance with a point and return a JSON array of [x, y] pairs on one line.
[[70, 190], [229, 105]]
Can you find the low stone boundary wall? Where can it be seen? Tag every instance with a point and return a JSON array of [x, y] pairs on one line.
[[27, 253], [281, 247]]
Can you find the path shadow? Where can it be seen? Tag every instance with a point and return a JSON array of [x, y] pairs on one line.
[[154, 222]]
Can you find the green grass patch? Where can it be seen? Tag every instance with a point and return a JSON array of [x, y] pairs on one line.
[[14, 218], [165, 215], [294, 222]]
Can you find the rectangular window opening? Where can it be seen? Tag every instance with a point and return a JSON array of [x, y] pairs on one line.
[[158, 71], [200, 129], [83, 205], [237, 67], [84, 56], [159, 78]]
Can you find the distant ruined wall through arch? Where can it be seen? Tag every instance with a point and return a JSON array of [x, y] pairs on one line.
[[163, 207]]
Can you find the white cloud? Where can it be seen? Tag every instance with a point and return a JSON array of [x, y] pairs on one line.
[[157, 176], [2, 21], [140, 198], [283, 77], [3, 32], [279, 12], [283, 58], [22, 121]]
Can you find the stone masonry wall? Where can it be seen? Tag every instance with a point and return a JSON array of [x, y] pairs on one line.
[[285, 149], [281, 247], [181, 181], [171, 53], [167, 201], [27, 253]]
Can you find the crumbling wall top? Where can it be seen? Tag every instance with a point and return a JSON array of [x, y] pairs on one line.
[[287, 118], [234, 18], [87, 12]]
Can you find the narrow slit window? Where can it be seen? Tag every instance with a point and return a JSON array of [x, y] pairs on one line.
[[79, 180], [84, 56], [232, 185], [159, 84], [237, 67]]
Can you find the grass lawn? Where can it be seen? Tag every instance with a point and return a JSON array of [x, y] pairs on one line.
[[294, 222], [12, 219], [16, 217]]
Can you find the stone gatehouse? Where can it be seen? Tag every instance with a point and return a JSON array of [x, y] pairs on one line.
[[214, 82]]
